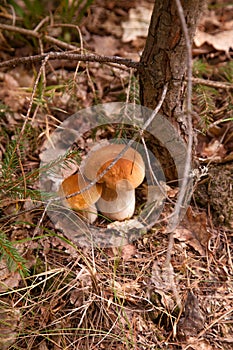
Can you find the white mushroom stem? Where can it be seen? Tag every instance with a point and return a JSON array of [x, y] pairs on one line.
[[117, 205], [90, 213]]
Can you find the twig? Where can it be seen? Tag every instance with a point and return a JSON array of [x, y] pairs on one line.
[[61, 43], [224, 315], [188, 160], [156, 110], [212, 83], [37, 228], [59, 55], [71, 56], [81, 46], [129, 86], [10, 216], [22, 169], [41, 23], [20, 30], [34, 33], [32, 96]]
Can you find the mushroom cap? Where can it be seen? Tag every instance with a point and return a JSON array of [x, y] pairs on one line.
[[130, 167], [75, 183]]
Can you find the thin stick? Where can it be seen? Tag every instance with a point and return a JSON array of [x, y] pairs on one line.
[[61, 43], [217, 320], [20, 30], [212, 83], [32, 97], [188, 160], [34, 33], [156, 110], [71, 56]]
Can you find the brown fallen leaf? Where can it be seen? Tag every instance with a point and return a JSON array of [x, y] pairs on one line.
[[214, 149], [222, 41], [197, 344], [125, 252], [185, 235], [161, 287], [9, 320], [43, 346], [126, 290], [193, 231], [105, 45], [8, 279], [128, 251], [193, 321], [138, 23]]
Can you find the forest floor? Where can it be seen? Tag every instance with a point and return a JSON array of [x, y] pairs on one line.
[[56, 293]]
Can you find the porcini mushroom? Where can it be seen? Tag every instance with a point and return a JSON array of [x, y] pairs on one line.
[[83, 203], [117, 200]]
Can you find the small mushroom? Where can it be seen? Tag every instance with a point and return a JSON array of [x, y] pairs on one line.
[[117, 200], [83, 203]]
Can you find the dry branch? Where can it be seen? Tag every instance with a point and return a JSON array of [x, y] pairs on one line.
[[212, 83], [71, 57]]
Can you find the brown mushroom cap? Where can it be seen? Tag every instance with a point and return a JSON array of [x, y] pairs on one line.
[[130, 167], [75, 183]]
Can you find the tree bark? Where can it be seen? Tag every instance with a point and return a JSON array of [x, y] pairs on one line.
[[164, 59]]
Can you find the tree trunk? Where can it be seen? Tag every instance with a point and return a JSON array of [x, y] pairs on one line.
[[164, 58]]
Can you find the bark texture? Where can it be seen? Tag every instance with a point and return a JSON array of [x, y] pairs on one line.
[[164, 59]]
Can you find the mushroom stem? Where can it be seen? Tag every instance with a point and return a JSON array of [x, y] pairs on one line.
[[117, 205], [90, 213]]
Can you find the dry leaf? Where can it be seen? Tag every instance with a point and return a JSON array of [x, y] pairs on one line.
[[9, 319], [105, 45], [161, 287], [197, 344], [210, 21], [125, 252], [193, 231], [185, 235], [214, 149], [43, 346], [193, 321], [124, 290], [222, 41], [137, 25], [8, 280], [128, 251]]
